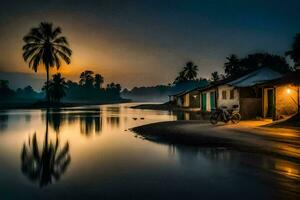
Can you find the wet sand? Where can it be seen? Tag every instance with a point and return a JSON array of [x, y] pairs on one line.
[[249, 136]]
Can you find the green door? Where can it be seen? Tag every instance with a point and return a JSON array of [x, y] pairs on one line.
[[203, 101], [212, 100], [271, 105]]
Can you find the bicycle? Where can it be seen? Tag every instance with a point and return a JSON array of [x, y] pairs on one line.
[[225, 115]]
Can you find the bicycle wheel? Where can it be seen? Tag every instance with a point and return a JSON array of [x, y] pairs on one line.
[[214, 118], [236, 118]]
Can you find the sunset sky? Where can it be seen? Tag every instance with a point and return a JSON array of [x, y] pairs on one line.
[[144, 42]]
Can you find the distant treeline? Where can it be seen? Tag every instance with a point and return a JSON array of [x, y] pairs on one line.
[[186, 80], [160, 93], [88, 89]]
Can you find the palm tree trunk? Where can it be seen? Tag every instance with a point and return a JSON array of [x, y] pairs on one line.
[[46, 131], [47, 85]]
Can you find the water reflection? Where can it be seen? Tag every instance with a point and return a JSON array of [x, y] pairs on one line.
[[113, 121], [281, 174], [90, 122], [3, 121], [48, 164]]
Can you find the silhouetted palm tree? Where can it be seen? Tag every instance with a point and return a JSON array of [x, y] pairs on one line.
[[56, 87], [294, 53], [191, 71], [232, 65], [46, 165], [180, 78], [215, 76], [87, 78], [98, 81], [45, 46]]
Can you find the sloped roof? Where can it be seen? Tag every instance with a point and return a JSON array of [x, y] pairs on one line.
[[289, 78], [217, 83], [257, 77]]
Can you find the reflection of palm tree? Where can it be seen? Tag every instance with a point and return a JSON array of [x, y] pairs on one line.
[[3, 121], [44, 45], [49, 164], [56, 119]]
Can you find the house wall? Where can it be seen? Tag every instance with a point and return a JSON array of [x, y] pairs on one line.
[[286, 102], [227, 102], [208, 106], [265, 102], [186, 100], [178, 101], [194, 99], [250, 108]]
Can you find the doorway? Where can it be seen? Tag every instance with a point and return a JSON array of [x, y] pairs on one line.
[[270, 103], [203, 102], [212, 100]]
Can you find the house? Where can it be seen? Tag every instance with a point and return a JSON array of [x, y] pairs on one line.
[[242, 92], [245, 93], [280, 97], [185, 94], [187, 99], [209, 95]]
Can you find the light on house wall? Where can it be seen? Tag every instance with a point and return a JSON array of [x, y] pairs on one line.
[[288, 90]]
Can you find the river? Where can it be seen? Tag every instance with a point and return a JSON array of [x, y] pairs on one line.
[[90, 153]]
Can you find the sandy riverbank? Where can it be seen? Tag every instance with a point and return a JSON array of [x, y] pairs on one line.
[[250, 136]]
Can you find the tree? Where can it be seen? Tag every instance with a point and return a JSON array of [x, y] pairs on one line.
[[44, 45], [180, 78], [113, 90], [294, 53], [5, 91], [190, 71], [258, 60], [215, 76], [87, 78], [98, 81], [232, 66], [49, 164], [57, 88]]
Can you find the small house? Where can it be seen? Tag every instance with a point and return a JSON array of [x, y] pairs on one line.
[[187, 99], [281, 96], [241, 92]]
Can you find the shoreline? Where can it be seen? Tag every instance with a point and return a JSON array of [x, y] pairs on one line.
[[244, 137], [41, 105], [165, 107]]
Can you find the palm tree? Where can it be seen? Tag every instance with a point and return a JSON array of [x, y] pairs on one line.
[[87, 78], [56, 87], [98, 81], [294, 53], [215, 76], [46, 165], [232, 65], [190, 70], [44, 45], [180, 78]]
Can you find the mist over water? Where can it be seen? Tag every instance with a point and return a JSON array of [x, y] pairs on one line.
[[89, 152]]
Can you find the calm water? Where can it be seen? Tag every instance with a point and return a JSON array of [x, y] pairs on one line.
[[88, 153]]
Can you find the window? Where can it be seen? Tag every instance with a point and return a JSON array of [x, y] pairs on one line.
[[231, 94], [224, 94]]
